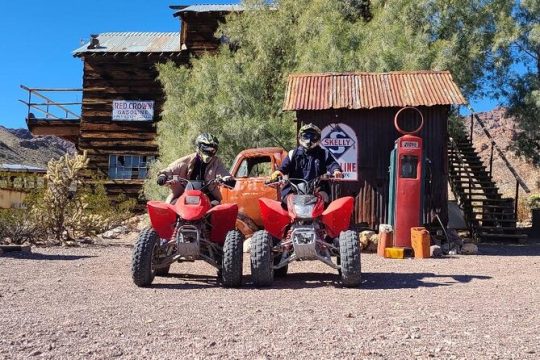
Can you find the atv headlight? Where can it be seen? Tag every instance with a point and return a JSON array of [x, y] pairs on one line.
[[193, 200], [304, 211]]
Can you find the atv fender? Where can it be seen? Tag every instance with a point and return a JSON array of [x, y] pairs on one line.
[[223, 220], [275, 218], [337, 216], [162, 218]]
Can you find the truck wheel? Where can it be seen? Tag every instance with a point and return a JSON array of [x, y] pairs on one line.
[[281, 272], [231, 274], [144, 255], [349, 250], [261, 259]]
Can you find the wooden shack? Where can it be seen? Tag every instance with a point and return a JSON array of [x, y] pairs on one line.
[[121, 97], [362, 106]]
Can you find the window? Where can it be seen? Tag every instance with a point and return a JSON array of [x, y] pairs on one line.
[[255, 167], [129, 167], [408, 166]]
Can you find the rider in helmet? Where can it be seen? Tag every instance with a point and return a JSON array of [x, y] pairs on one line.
[[201, 165], [308, 161]]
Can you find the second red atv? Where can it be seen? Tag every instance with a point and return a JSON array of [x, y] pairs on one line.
[[306, 231], [189, 230]]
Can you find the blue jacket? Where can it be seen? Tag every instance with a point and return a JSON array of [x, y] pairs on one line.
[[308, 165]]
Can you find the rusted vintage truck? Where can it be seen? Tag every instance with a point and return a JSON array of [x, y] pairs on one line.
[[252, 168]]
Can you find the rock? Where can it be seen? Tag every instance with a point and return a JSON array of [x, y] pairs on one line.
[[374, 239], [247, 245], [469, 249], [371, 248], [435, 251], [364, 238]]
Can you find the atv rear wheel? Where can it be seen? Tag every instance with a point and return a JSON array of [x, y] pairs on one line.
[[231, 273], [349, 250], [144, 256], [261, 259]]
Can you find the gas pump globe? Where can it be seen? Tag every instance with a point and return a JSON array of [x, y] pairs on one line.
[[406, 174]]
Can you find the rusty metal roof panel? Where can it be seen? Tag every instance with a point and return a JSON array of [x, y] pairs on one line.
[[371, 90], [208, 8], [132, 42]]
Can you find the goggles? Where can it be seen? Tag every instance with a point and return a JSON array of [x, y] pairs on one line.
[[310, 136], [208, 149]]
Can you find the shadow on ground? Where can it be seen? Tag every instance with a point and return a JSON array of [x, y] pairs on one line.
[[186, 282], [38, 256], [532, 249], [377, 281], [370, 281]]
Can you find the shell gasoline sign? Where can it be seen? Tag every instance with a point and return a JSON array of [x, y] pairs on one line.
[[340, 140]]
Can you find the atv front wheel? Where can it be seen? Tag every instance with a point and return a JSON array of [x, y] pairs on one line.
[[262, 262], [144, 257], [231, 273], [349, 251]]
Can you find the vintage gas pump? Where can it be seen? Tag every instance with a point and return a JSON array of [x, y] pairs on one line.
[[406, 180]]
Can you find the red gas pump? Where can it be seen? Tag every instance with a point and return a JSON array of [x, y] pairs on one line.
[[408, 182]]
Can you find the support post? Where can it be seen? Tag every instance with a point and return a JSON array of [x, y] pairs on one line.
[[472, 127], [491, 160], [517, 200]]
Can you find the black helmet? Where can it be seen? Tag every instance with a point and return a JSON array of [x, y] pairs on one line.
[[309, 136], [207, 146]]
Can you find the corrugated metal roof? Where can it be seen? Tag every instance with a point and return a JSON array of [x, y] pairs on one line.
[[371, 90], [21, 168], [133, 42], [208, 8]]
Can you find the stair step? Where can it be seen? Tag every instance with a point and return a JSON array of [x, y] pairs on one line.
[[502, 236], [498, 220], [491, 206], [501, 228], [487, 200]]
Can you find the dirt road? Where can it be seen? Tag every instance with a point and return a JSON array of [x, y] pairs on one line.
[[80, 303]]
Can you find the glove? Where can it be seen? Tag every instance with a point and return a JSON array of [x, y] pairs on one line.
[[338, 174], [275, 176], [162, 179]]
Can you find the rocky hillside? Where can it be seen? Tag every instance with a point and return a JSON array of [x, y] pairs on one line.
[[18, 146], [503, 129]]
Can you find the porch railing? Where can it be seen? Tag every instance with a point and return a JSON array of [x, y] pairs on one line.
[[40, 100], [519, 181]]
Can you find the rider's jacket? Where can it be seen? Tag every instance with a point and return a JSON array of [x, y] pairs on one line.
[[308, 165], [185, 167]]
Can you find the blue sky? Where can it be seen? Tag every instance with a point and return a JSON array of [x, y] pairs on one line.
[[37, 38]]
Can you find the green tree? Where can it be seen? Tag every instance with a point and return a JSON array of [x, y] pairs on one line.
[[522, 39], [238, 93]]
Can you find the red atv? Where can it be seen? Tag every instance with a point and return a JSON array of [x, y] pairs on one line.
[[189, 230], [305, 232]]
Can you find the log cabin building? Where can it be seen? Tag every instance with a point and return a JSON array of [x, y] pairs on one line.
[[122, 98]]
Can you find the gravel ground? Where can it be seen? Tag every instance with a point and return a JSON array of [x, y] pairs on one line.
[[81, 303]]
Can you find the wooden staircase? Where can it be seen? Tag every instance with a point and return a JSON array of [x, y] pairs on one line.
[[489, 216]]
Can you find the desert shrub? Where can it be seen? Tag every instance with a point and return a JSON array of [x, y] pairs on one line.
[[523, 210], [18, 228], [534, 201], [72, 206]]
